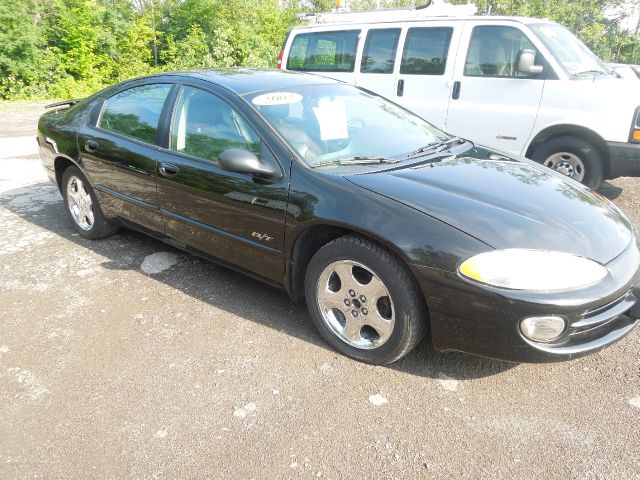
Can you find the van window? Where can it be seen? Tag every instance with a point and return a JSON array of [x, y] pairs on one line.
[[324, 51], [380, 50], [425, 51], [135, 112], [494, 51]]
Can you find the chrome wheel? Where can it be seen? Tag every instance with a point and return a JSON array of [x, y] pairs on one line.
[[567, 164], [79, 203], [355, 304]]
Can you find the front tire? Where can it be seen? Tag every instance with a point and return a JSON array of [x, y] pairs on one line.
[[364, 302], [573, 157], [81, 205]]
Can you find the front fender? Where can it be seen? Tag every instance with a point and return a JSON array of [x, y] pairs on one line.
[[419, 240]]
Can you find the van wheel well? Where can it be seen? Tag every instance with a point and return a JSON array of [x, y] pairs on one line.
[[60, 164], [574, 131]]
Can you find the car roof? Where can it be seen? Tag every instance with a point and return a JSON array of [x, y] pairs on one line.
[[476, 18], [248, 80]]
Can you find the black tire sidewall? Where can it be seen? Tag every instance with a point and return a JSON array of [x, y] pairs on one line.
[[590, 156], [406, 303], [101, 227]]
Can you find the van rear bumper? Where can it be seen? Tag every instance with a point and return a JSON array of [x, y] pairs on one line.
[[624, 159]]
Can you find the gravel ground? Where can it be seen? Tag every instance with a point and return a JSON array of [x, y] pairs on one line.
[[127, 358]]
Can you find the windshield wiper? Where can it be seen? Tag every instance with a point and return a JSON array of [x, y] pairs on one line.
[[590, 72], [355, 161], [434, 147]]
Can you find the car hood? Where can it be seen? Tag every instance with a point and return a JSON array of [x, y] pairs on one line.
[[508, 204]]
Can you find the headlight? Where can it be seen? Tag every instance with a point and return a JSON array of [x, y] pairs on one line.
[[521, 269]]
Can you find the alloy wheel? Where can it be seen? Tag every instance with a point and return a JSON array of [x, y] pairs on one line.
[[355, 304], [79, 203]]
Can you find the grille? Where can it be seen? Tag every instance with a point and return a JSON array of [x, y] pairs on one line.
[[605, 314]]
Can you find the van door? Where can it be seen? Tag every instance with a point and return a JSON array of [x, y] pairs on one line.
[[492, 103], [426, 67], [377, 65]]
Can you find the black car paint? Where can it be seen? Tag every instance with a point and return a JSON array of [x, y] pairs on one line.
[[432, 216]]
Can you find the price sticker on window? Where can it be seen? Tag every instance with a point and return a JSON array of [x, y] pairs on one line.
[[332, 118]]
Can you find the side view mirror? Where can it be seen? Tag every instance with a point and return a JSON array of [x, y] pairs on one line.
[[527, 61], [240, 160]]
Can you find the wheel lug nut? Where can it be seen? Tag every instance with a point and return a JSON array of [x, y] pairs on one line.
[[347, 302], [363, 298], [354, 313], [352, 293], [365, 311]]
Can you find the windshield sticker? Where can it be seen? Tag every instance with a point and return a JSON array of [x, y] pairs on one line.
[[276, 98], [332, 118]]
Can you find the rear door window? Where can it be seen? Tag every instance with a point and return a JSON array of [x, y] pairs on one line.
[[425, 51], [324, 51], [135, 112], [380, 50]]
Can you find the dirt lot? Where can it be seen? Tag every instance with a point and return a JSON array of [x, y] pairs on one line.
[[127, 358]]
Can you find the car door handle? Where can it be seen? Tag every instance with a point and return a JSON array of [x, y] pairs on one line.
[[91, 146], [168, 169], [400, 89], [455, 93]]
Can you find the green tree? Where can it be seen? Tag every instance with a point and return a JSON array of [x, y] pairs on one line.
[[24, 60]]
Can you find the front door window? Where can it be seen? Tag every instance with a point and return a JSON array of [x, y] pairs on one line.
[[204, 125]]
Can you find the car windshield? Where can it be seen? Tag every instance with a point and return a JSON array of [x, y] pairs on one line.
[[334, 125], [574, 56]]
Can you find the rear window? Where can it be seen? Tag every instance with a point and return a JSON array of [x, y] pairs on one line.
[[425, 51], [380, 50], [324, 51]]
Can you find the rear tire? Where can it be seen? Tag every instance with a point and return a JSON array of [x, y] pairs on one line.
[[573, 157], [81, 205], [364, 302]]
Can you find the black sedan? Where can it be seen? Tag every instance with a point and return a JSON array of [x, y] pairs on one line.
[[387, 226]]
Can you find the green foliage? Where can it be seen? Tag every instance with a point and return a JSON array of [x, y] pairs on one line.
[[71, 48]]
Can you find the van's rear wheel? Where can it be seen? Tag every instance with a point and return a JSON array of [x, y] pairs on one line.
[[574, 157]]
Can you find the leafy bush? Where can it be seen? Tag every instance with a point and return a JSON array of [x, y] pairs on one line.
[[71, 48]]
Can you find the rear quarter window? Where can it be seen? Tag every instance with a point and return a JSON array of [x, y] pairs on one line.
[[324, 51]]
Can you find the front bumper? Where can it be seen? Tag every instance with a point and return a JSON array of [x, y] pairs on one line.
[[486, 321], [624, 159]]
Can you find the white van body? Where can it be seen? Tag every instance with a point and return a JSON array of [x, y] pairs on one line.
[[462, 75]]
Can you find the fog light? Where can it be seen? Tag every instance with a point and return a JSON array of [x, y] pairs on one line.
[[542, 329]]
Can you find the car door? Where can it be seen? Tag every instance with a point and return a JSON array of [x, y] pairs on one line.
[[376, 71], [492, 103], [119, 150], [235, 217], [426, 68]]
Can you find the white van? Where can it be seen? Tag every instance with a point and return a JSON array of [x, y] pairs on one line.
[[521, 85]]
